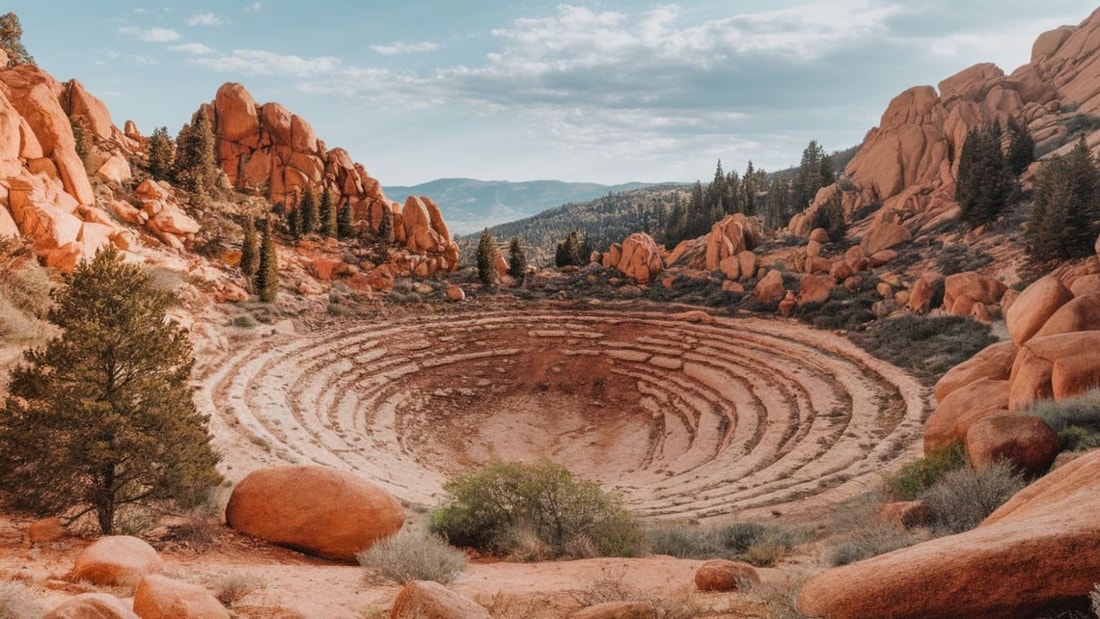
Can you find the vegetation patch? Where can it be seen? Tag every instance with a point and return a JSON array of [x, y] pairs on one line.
[[927, 346], [1075, 420], [964, 497], [911, 480], [414, 556], [756, 543]]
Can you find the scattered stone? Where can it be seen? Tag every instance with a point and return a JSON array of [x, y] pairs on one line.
[[723, 575], [770, 288], [430, 600], [455, 293]]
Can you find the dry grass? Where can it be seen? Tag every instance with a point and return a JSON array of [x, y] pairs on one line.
[[610, 587], [232, 588], [17, 602], [414, 556]]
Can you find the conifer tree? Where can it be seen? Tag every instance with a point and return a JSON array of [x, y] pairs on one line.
[[344, 227], [294, 222], [517, 260], [328, 216], [385, 226], [250, 251], [984, 181], [102, 416], [307, 213], [195, 167], [159, 162], [1065, 216], [1021, 147], [11, 41], [486, 257], [267, 275]]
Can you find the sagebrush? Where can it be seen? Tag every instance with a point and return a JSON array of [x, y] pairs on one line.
[[963, 498], [414, 556]]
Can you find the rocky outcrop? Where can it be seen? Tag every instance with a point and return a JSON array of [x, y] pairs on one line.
[[119, 560], [963, 290], [638, 257], [1047, 528], [993, 362], [1035, 305], [422, 599], [730, 236], [961, 409], [318, 510], [267, 149]]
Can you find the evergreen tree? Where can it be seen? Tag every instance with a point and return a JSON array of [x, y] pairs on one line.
[[517, 260], [267, 275], [573, 251], [1021, 148], [160, 154], [250, 256], [385, 226], [486, 258], [11, 41], [294, 222], [195, 167], [344, 227], [984, 181], [327, 214], [102, 416], [830, 217], [308, 217], [1065, 216]]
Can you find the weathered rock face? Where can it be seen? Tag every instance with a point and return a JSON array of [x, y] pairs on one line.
[[430, 600], [730, 236], [116, 560], [961, 409], [994, 362], [1054, 367], [319, 510], [640, 259], [1047, 528], [1035, 305], [267, 149]]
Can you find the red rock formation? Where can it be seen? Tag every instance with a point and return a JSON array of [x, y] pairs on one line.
[[961, 409], [993, 362], [963, 290], [1035, 305], [92, 606], [723, 575], [640, 259], [1024, 440]]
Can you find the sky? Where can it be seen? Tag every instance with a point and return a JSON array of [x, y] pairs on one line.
[[607, 92]]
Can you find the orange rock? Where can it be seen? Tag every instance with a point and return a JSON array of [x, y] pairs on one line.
[[1035, 305], [962, 408], [907, 514], [618, 610], [787, 305], [993, 362], [770, 288], [730, 267], [729, 237], [920, 296], [159, 597], [319, 510], [455, 293], [723, 575], [1047, 528], [45, 530], [819, 235], [641, 260], [1086, 284], [885, 236], [815, 288], [1024, 440], [1033, 371], [430, 600], [840, 271], [1077, 314], [80, 103], [92, 606], [963, 290], [324, 268], [748, 264], [116, 560], [882, 258]]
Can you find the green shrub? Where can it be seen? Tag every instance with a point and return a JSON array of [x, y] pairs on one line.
[[244, 321], [753, 542], [510, 507], [1076, 420], [927, 346], [965, 497], [914, 478], [867, 542], [411, 556], [684, 541]]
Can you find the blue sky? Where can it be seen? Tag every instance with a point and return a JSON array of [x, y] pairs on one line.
[[610, 91]]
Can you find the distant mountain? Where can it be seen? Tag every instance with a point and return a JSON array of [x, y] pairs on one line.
[[470, 205]]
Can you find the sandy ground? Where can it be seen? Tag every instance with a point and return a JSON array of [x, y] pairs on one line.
[[727, 420]]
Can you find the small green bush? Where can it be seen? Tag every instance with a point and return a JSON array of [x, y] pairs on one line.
[[927, 346], [916, 477], [684, 541], [410, 556], [867, 542], [541, 510], [244, 321], [1075, 420], [753, 542], [964, 497]]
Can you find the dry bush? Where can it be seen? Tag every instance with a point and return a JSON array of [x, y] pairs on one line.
[[760, 544], [914, 478], [609, 587], [868, 541], [780, 602], [231, 588], [16, 602], [963, 498], [414, 556]]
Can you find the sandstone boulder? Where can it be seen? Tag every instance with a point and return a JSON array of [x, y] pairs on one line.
[[963, 407], [920, 296], [1047, 528], [814, 288], [618, 610], [730, 236], [770, 287], [787, 305], [45, 530], [92, 606], [1078, 314], [430, 600], [962, 290], [119, 560], [1024, 440], [1033, 373], [993, 362], [1035, 305], [641, 259], [455, 293], [885, 236], [159, 597], [723, 575], [318, 510], [906, 514]]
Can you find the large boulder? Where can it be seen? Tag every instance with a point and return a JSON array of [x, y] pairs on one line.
[[993, 362], [319, 510], [995, 570], [92, 606], [159, 597], [953, 416], [730, 236], [1068, 360], [884, 236], [1024, 440], [723, 575], [770, 287], [430, 600], [962, 290], [119, 560], [815, 288], [1079, 314], [1035, 305], [640, 259]]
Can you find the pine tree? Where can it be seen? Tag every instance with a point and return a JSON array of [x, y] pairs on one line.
[[984, 181], [1065, 213], [517, 260], [160, 154], [11, 41], [294, 222], [195, 167], [344, 227], [328, 216], [102, 416], [1021, 147], [267, 275], [307, 213], [385, 226], [250, 257], [486, 258]]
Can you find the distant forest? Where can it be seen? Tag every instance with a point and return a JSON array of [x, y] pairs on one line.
[[673, 213]]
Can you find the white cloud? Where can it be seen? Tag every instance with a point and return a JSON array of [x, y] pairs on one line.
[[401, 47], [137, 59], [255, 7], [152, 35], [205, 19], [262, 62], [197, 49]]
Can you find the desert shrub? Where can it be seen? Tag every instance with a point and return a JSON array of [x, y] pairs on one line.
[[753, 542], [964, 497], [867, 542], [16, 602], [500, 506], [927, 346], [244, 321], [610, 586], [414, 556], [914, 478], [960, 257], [24, 292], [195, 530], [684, 541], [231, 588], [851, 311], [1076, 420]]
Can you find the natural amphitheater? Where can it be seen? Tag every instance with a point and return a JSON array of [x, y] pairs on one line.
[[242, 377]]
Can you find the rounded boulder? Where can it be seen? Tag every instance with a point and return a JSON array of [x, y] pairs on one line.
[[159, 597], [120, 560], [723, 575], [91, 606], [424, 599], [318, 510], [1024, 440]]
